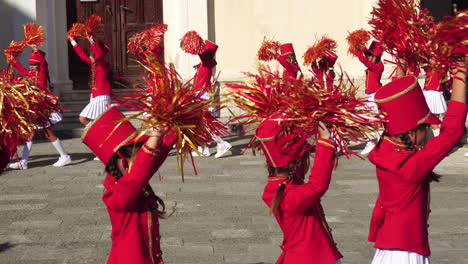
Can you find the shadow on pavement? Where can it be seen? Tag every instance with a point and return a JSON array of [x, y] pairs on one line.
[[48, 160], [6, 246]]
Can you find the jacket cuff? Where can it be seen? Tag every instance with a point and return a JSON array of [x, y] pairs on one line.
[[457, 109], [151, 151], [326, 143]]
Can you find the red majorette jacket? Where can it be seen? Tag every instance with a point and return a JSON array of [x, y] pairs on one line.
[[433, 78], [40, 77], [131, 206], [201, 79], [399, 219], [306, 235], [98, 82], [373, 73]]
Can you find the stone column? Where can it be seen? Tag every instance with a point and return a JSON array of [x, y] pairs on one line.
[[51, 14]]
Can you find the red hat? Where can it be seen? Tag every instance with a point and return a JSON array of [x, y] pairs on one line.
[[35, 58], [273, 142], [376, 48], [286, 48], [107, 134], [210, 47], [404, 103]]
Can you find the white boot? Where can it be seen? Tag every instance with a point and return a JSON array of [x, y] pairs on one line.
[[222, 149], [19, 165]]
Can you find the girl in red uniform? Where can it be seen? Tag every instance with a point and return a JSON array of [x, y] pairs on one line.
[[324, 69], [202, 82], [100, 86], [399, 225], [371, 59], [39, 74], [133, 207], [287, 59], [296, 205]]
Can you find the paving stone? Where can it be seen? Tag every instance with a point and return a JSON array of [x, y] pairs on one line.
[[56, 215]]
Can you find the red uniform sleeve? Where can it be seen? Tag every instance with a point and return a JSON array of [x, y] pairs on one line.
[[375, 67], [307, 195], [123, 195], [79, 51], [378, 215], [20, 68], [419, 166], [98, 54]]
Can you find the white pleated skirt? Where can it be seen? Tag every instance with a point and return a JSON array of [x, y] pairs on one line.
[[96, 106], [435, 101], [389, 256], [371, 102], [54, 118]]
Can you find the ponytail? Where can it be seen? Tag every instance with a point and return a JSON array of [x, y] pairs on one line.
[[278, 196]]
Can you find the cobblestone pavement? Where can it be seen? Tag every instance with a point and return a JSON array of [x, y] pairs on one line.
[[55, 215]]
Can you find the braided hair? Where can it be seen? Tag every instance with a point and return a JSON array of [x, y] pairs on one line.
[[113, 169], [406, 140]]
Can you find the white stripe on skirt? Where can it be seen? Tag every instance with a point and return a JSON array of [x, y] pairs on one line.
[[54, 118], [390, 256], [435, 101], [96, 106]]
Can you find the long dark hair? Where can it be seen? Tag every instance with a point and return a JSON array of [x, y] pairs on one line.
[[406, 140], [128, 152], [295, 170]]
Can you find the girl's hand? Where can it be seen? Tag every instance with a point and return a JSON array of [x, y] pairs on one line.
[[33, 46], [324, 132], [159, 131], [90, 39]]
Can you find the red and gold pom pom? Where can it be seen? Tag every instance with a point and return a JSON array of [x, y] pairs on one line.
[[23, 107], [302, 103], [192, 43], [357, 40], [449, 43], [320, 49], [269, 50], [403, 28], [155, 36], [171, 102], [135, 44], [147, 40], [77, 30], [92, 25], [33, 34], [14, 50]]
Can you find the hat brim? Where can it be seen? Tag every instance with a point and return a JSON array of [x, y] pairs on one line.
[[433, 120]]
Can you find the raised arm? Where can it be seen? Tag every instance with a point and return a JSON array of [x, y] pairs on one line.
[[423, 162], [305, 196], [21, 68], [79, 51], [149, 159], [375, 67]]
